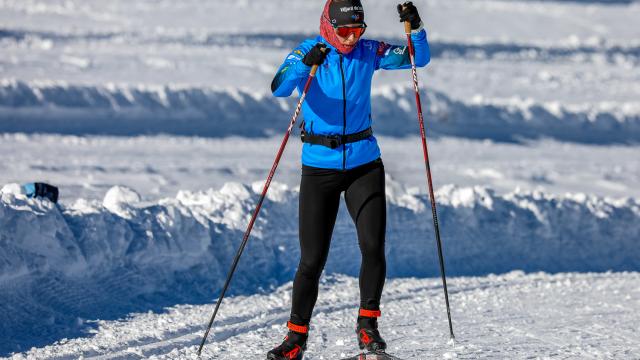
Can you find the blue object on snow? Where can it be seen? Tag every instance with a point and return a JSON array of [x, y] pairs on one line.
[[43, 190], [29, 189]]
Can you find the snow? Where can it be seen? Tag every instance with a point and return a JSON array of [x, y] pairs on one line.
[[156, 121], [121, 201], [514, 315], [82, 110], [15, 189], [144, 253], [161, 166]]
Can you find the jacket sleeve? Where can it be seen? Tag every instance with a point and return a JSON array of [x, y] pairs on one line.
[[290, 73], [396, 57]]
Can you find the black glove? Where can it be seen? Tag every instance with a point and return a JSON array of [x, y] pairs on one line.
[[316, 55], [408, 12]]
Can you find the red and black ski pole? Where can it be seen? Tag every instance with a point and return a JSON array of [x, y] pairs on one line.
[[245, 239], [436, 227]]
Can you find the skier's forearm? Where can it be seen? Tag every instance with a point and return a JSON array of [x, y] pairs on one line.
[[288, 78], [421, 48], [397, 57]]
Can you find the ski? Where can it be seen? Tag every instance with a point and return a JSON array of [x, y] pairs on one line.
[[373, 356]]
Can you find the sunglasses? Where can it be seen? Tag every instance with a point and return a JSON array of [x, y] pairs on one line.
[[346, 31]]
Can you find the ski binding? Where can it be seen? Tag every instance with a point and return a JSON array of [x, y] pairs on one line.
[[373, 356]]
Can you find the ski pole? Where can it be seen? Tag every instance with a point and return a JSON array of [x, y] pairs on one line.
[[245, 239], [407, 30]]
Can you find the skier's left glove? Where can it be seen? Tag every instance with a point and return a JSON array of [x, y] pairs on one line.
[[409, 12]]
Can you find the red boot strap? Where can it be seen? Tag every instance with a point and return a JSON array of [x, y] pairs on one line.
[[302, 329], [370, 313]]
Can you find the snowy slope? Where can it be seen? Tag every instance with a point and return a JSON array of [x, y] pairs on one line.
[[542, 69], [511, 316], [87, 167], [103, 260], [505, 76], [81, 110]]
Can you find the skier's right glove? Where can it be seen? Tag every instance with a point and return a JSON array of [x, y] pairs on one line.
[[316, 55]]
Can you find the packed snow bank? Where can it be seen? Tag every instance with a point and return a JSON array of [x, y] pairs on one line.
[[61, 265], [124, 110]]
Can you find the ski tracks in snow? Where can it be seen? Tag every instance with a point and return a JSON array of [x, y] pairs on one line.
[[515, 316]]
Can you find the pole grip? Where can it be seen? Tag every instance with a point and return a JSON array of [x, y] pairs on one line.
[[314, 68], [407, 27]]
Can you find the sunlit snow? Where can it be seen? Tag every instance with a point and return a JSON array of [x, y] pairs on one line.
[[156, 120]]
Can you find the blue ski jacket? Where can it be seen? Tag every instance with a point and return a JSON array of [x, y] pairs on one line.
[[339, 99]]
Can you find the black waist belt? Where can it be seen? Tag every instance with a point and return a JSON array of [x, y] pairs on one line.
[[333, 141]]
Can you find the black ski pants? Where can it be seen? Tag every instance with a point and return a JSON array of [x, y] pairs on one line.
[[320, 190]]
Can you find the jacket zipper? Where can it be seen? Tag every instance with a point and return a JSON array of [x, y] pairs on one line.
[[344, 115]]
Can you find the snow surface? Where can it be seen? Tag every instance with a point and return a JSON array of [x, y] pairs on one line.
[[65, 109], [542, 69], [115, 257], [534, 126], [510, 316], [156, 166]]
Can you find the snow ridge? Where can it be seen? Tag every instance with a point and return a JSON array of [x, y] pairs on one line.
[[594, 48], [55, 107], [64, 264]]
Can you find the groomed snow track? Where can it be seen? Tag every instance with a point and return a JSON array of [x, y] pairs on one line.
[[510, 316], [88, 260]]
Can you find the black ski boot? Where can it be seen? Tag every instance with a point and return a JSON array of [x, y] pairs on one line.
[[293, 346], [369, 338]]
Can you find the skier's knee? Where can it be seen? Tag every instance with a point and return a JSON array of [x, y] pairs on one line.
[[310, 269], [373, 251]]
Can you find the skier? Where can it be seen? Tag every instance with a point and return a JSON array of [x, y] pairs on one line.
[[340, 154]]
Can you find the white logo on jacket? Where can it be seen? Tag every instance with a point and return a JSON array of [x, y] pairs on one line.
[[400, 50]]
